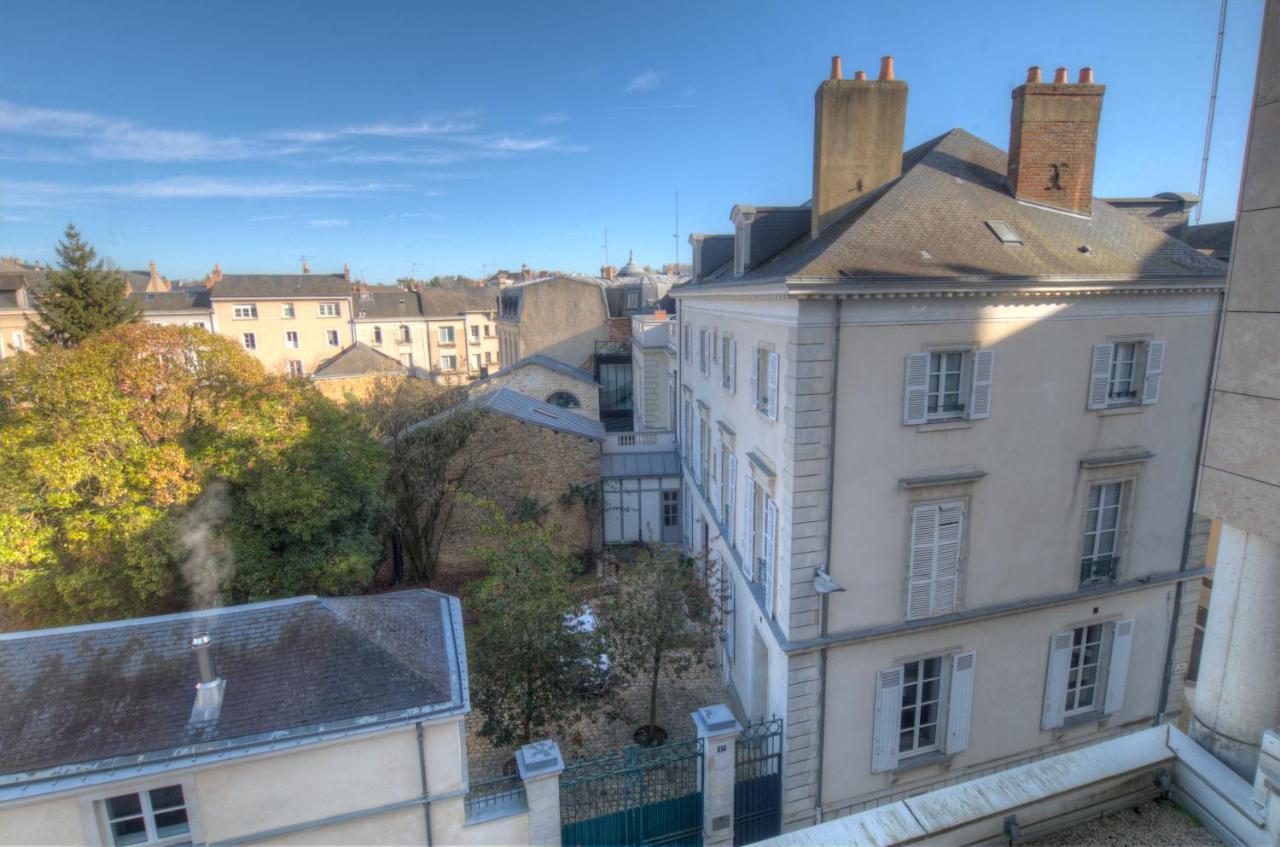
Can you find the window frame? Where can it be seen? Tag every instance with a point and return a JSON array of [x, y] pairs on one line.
[[250, 309], [962, 392], [249, 340], [299, 370], [940, 501], [288, 311], [1125, 488], [1137, 364], [406, 334], [95, 809], [377, 335], [332, 338], [442, 331], [1101, 667], [938, 744], [328, 305], [446, 365], [293, 343]]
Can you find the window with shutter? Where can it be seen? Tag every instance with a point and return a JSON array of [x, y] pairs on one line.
[[766, 554], [984, 364], [917, 388], [1055, 683], [960, 702], [733, 366], [1154, 370], [884, 753], [755, 377], [1100, 375], [933, 577], [1118, 669], [732, 476], [773, 386], [748, 524], [730, 617], [713, 489]]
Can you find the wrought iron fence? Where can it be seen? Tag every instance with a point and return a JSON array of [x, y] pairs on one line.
[[495, 797], [757, 783]]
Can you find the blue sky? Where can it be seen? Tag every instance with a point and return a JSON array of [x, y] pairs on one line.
[[465, 137]]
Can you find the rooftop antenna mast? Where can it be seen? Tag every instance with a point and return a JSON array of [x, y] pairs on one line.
[[676, 234], [606, 246], [1213, 102]]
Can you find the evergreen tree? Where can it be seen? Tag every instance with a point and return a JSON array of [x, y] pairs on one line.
[[82, 298]]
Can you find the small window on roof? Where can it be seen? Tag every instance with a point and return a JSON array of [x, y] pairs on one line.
[[1004, 232]]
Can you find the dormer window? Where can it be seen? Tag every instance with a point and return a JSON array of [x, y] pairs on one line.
[[742, 218]]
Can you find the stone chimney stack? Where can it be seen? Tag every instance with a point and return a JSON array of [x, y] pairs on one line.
[[857, 139], [214, 277], [1053, 140], [608, 272], [346, 272], [306, 269]]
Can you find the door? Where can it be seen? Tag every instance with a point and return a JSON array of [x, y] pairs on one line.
[[671, 517]]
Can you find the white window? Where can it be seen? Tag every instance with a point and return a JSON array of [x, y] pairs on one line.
[[948, 385], [767, 546], [406, 334], [448, 363], [331, 337], [377, 336], [446, 334], [329, 310], [249, 340], [406, 359], [244, 311], [20, 341], [1100, 548], [728, 475], [933, 570], [729, 363], [488, 357], [475, 332], [291, 339], [1126, 373], [922, 707], [704, 349], [287, 311], [1087, 670], [295, 367], [704, 451], [633, 299], [687, 342], [154, 816], [475, 361], [764, 382]]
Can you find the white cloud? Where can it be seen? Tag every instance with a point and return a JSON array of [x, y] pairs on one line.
[[52, 193], [329, 223], [555, 118], [647, 81], [16, 219]]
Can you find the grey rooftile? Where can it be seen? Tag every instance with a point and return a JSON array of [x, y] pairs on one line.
[[93, 694], [524, 408], [249, 286], [546, 362], [358, 360], [172, 301]]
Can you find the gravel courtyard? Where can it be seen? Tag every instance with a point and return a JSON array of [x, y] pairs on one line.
[[1155, 824]]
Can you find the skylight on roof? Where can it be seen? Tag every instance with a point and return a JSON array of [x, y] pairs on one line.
[[1004, 232]]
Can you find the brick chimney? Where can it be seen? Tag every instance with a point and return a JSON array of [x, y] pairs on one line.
[[214, 277], [857, 139], [305, 268], [346, 271], [1053, 140], [608, 272]]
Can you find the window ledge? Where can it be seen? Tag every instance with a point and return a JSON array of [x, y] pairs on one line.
[[1104, 460], [943, 426], [1131, 409], [1083, 719], [924, 760], [954, 478]]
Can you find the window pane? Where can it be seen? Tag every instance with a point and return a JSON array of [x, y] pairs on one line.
[[173, 822], [929, 690], [929, 713], [167, 797], [124, 806], [928, 735], [909, 672], [130, 831], [906, 741], [908, 718], [1086, 697], [932, 667]]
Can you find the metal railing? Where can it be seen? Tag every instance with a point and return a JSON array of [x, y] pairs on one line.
[[1098, 570], [643, 441], [497, 797]]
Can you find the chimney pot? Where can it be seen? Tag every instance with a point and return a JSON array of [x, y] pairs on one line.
[[836, 71], [860, 75], [209, 689], [1033, 73], [1086, 76], [886, 69], [204, 660], [346, 271], [1060, 76]]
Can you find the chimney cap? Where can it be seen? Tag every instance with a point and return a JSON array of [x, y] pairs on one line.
[[861, 76], [1086, 76], [1061, 75], [836, 70], [1033, 73], [886, 69]]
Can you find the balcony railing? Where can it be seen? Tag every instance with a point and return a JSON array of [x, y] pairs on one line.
[[1097, 570], [495, 798], [639, 442]]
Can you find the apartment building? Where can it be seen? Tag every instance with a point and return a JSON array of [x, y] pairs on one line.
[[939, 429], [289, 322], [448, 333], [16, 310]]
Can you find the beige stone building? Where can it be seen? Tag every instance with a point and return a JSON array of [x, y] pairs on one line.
[[16, 292], [551, 381], [939, 427], [301, 721], [289, 322], [448, 333], [357, 371]]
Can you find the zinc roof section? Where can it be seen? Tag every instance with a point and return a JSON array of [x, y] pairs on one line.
[[279, 286]]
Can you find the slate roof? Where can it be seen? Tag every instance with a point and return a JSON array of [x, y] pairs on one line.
[[1211, 239], [250, 286], [524, 408], [172, 301], [387, 302], [665, 463], [443, 302], [358, 360], [931, 223], [546, 362], [98, 702]]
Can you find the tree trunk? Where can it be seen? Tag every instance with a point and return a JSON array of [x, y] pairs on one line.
[[653, 688]]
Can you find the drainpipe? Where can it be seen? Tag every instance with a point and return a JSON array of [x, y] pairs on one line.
[[831, 500], [422, 769], [1191, 512]]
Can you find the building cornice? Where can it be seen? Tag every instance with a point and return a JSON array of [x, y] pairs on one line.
[[811, 288]]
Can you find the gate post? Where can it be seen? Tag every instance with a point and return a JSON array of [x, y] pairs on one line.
[[540, 765], [718, 730]]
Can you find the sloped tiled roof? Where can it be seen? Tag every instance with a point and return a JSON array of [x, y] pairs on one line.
[[1211, 239], [931, 223], [248, 286], [546, 362], [358, 360], [172, 301], [81, 702], [382, 302], [443, 302], [524, 408]]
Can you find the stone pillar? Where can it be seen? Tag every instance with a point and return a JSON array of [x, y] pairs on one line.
[[718, 730], [1237, 695], [540, 765]]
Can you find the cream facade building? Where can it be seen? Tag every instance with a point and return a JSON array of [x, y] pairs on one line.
[[448, 333], [298, 721], [939, 430]]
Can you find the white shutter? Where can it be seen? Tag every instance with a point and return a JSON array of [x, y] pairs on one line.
[[731, 618], [748, 526], [770, 534], [1119, 667], [755, 377], [1055, 683], [697, 452], [924, 533], [884, 752], [1100, 377], [960, 702], [733, 365], [732, 478], [1155, 367], [984, 364], [915, 395], [713, 487], [773, 386], [947, 559]]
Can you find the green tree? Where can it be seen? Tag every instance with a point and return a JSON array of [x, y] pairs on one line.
[[662, 618], [130, 457], [81, 298], [527, 658]]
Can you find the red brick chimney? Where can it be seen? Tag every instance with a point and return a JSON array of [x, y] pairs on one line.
[[346, 271], [214, 277], [1053, 140], [305, 268], [857, 139], [608, 272]]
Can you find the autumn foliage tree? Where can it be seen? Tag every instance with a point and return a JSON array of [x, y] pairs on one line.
[[108, 447]]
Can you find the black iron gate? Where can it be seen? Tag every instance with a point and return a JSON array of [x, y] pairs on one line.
[[757, 783], [634, 796]]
